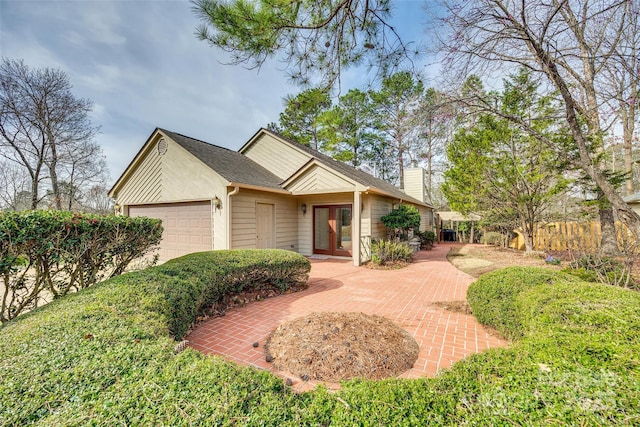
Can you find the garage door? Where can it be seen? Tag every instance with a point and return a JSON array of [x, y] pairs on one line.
[[187, 226]]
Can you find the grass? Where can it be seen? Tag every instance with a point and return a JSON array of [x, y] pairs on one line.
[[105, 356]]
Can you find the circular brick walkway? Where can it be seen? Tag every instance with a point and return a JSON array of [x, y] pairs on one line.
[[405, 296]]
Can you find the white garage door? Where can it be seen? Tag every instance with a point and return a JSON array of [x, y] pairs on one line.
[[187, 226]]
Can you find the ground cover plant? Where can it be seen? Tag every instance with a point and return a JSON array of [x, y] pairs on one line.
[[106, 356]]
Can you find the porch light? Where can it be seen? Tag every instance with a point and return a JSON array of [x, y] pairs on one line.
[[304, 208], [217, 203]]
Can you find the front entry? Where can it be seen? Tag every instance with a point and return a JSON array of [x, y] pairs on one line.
[[332, 230]]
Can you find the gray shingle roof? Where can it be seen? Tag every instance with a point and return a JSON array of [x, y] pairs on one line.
[[350, 172], [231, 165]]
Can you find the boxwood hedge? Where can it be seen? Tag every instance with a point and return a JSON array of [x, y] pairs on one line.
[[104, 356]]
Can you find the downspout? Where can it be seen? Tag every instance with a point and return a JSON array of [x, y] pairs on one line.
[[235, 191]]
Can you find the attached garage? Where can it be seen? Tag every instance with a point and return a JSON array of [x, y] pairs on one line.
[[187, 226]]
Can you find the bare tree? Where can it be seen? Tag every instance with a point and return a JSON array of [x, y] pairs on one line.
[[14, 185], [45, 129], [568, 42], [621, 83]]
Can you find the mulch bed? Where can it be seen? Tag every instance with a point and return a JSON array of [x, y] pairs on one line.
[[339, 346]]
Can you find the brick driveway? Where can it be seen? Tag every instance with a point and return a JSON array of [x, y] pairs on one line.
[[404, 296]]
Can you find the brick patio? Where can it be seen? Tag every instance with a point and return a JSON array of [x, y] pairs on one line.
[[404, 296]]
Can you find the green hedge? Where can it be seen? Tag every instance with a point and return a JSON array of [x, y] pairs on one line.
[[104, 356], [195, 282], [54, 252]]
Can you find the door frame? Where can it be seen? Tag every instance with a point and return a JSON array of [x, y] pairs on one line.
[[332, 230], [272, 225]]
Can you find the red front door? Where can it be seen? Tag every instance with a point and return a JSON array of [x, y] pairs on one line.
[[332, 230]]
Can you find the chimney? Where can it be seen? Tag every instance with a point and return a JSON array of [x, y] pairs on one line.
[[414, 183]]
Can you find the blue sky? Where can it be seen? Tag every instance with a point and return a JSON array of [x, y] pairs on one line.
[[142, 66]]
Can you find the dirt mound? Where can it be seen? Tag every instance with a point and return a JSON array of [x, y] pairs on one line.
[[339, 346]]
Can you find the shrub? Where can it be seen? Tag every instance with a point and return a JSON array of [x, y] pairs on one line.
[[402, 219], [384, 252], [493, 296], [600, 269], [427, 239], [55, 252], [492, 238], [195, 282], [103, 356]]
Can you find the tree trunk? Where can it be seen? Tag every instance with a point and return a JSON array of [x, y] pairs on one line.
[[471, 238], [628, 127], [608, 239]]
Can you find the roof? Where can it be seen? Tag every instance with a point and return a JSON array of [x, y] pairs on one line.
[[632, 198], [457, 216], [357, 175], [231, 165]]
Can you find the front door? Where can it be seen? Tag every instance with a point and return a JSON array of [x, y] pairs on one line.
[[264, 226], [332, 230]]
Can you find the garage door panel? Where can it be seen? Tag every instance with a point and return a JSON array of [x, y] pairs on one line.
[[187, 226]]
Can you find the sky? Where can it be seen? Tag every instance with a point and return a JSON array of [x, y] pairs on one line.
[[142, 66]]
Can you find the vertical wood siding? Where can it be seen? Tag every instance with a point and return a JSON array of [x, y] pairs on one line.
[[244, 222], [278, 157], [318, 179], [144, 185]]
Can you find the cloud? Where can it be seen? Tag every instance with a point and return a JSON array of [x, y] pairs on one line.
[[143, 67]]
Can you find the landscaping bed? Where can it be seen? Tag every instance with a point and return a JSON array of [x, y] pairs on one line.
[[106, 356]]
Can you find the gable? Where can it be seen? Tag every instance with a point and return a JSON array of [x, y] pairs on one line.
[[318, 178], [279, 157], [164, 171]]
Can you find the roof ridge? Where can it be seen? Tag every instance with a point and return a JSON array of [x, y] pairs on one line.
[[196, 139]]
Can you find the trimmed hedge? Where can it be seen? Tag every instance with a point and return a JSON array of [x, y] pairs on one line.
[[54, 252], [104, 356], [195, 282]]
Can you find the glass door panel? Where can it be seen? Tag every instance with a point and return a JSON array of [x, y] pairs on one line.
[[321, 230], [343, 229], [332, 230]]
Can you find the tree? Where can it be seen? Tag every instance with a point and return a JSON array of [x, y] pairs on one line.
[[314, 38], [569, 43], [503, 172], [300, 121], [45, 129], [436, 117], [14, 187], [396, 105], [621, 82], [347, 128]]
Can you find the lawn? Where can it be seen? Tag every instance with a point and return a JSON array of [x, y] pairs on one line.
[[106, 356]]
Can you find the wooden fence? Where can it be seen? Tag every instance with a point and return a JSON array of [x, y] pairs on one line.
[[562, 236]]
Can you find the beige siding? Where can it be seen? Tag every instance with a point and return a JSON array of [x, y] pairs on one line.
[[380, 206], [175, 176], [319, 179], [426, 218], [278, 157], [184, 177], [244, 222], [144, 185], [414, 183]]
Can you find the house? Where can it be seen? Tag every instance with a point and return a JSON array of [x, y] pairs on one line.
[[272, 193], [633, 200]]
